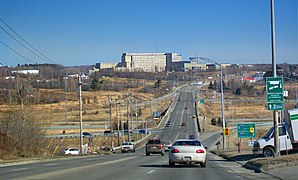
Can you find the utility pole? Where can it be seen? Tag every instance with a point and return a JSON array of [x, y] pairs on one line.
[[118, 123], [136, 113], [66, 105], [127, 116], [111, 123], [81, 114], [275, 112]]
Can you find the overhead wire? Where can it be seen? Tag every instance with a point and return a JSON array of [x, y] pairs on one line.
[[16, 52], [44, 58]]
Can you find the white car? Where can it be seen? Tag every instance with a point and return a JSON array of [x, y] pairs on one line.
[[71, 151], [167, 144], [187, 151], [128, 147]]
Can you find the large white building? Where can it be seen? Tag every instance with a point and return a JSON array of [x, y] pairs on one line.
[[150, 62]]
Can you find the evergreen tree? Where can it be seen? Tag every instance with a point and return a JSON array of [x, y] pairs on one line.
[[95, 84], [210, 85]]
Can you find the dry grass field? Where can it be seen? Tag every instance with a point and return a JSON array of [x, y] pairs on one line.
[[96, 111]]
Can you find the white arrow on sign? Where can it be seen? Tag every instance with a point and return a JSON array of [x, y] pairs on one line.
[[273, 82]]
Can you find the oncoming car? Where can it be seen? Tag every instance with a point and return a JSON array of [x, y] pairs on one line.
[[187, 151]]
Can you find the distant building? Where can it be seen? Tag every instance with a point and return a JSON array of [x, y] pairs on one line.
[[249, 79], [187, 66], [259, 76], [105, 65], [83, 76], [150, 62], [25, 71]]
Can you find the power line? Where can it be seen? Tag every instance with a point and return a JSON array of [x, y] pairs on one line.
[[16, 52], [46, 59], [22, 44]]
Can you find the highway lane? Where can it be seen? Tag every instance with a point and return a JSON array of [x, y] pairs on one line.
[[137, 165]]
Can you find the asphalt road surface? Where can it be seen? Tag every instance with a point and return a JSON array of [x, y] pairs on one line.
[[136, 166]]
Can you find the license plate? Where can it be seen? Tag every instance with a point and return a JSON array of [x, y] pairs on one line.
[[187, 158]]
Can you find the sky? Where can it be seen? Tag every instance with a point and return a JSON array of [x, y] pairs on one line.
[[85, 32]]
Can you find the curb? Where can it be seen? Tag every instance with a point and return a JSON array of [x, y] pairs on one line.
[[256, 168]]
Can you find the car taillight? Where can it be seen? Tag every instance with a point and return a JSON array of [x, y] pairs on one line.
[[200, 151], [161, 146], [175, 151]]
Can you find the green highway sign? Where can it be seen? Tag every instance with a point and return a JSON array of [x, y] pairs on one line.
[[275, 98], [274, 85], [275, 106], [246, 130]]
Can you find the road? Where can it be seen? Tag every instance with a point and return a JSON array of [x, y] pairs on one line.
[[136, 165]]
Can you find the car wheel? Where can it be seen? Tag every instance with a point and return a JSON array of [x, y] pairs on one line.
[[203, 164], [268, 152], [171, 164], [162, 154], [147, 154]]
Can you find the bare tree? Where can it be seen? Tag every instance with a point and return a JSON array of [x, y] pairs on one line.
[[20, 130]]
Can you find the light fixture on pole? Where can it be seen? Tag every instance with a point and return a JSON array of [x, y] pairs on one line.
[[222, 97]]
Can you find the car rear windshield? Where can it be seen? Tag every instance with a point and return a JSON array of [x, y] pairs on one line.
[[154, 141], [166, 142], [187, 143]]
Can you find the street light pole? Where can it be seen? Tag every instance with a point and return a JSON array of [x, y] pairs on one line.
[[222, 97], [222, 107]]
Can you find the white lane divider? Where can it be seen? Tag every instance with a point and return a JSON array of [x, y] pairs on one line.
[[18, 169], [50, 164], [150, 172]]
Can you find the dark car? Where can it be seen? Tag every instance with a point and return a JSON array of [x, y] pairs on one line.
[[128, 131], [192, 136], [168, 124], [155, 146], [86, 134], [108, 133], [144, 131], [183, 124]]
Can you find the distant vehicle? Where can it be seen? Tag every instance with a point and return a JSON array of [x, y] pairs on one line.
[[155, 146], [168, 124], [156, 114], [187, 151], [144, 131], [167, 144], [86, 134], [288, 136], [108, 133], [183, 124], [185, 107], [128, 147], [128, 131], [71, 151], [192, 136]]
